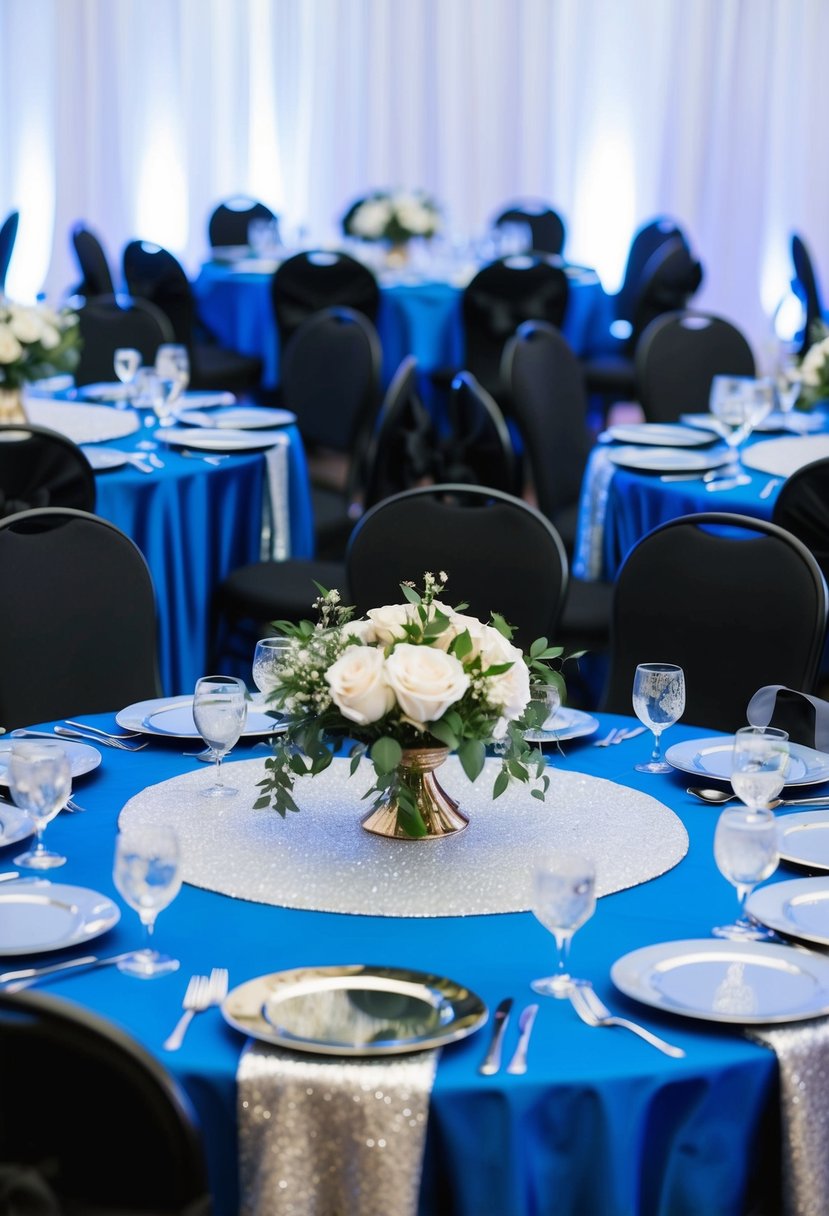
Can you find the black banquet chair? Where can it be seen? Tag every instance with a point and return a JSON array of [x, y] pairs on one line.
[[805, 285], [96, 275], [41, 468], [476, 447], [546, 227], [738, 603], [79, 633], [154, 274], [90, 1123], [110, 321], [8, 235], [320, 278], [802, 508], [230, 220]]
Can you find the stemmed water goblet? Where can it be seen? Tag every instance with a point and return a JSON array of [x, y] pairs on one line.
[[564, 897], [545, 701], [147, 873], [760, 764], [746, 853], [172, 364], [739, 404], [268, 657], [658, 702], [40, 782], [219, 711], [126, 362]]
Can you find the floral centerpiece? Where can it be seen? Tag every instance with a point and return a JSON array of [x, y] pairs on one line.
[[35, 342], [393, 217], [813, 372], [410, 679]]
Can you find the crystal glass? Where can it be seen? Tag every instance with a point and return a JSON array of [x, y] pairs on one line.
[[40, 782], [219, 710], [126, 362], [739, 404], [658, 702], [746, 853], [268, 656], [152, 392], [545, 701], [147, 873], [172, 363], [760, 763], [564, 897]]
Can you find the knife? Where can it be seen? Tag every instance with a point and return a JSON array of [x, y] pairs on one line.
[[16, 981], [518, 1063], [492, 1060]]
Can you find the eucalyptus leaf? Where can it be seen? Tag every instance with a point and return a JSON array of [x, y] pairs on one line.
[[386, 754]]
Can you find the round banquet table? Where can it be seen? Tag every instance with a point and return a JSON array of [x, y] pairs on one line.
[[601, 1122]]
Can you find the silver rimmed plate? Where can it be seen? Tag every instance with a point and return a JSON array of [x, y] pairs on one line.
[[713, 758], [782, 457], [240, 418], [82, 758], [218, 439], [564, 724], [15, 825], [668, 460], [659, 434], [354, 1010], [804, 839], [746, 983], [799, 908], [39, 916], [102, 459], [795, 423], [172, 717]]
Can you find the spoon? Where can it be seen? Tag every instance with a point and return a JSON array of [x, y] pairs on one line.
[[718, 796]]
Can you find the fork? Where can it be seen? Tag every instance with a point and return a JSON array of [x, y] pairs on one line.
[[609, 738], [110, 741], [96, 730], [201, 993], [592, 1010]]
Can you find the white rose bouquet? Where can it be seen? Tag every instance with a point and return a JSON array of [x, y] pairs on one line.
[[412, 675], [36, 342], [813, 371], [394, 217]]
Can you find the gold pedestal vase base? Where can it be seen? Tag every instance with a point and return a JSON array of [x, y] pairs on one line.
[[440, 813]]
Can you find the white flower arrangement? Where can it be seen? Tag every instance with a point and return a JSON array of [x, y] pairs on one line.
[[36, 342], [418, 674], [813, 371], [394, 217]]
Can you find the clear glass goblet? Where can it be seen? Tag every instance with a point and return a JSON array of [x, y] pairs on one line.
[[658, 702], [40, 782], [219, 710], [126, 362], [564, 897], [147, 873], [746, 853], [760, 762], [173, 363], [268, 657], [544, 704], [739, 404]]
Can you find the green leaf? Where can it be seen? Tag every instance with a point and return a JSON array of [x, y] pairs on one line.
[[443, 731], [538, 647], [497, 669], [472, 754], [501, 783], [410, 594], [461, 645], [385, 754], [501, 625], [539, 794]]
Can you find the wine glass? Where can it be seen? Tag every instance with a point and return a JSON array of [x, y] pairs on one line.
[[147, 873], [172, 363], [40, 782], [268, 657], [746, 853], [545, 701], [739, 404], [126, 362], [564, 897], [658, 702], [760, 763], [219, 710]]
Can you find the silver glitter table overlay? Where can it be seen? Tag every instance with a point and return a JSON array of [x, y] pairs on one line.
[[322, 1136]]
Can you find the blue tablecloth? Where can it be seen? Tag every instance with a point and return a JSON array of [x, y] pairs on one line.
[[601, 1123]]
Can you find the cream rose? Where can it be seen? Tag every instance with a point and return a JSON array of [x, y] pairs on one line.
[[10, 348], [510, 691], [388, 622], [425, 680], [26, 326], [363, 631], [358, 685]]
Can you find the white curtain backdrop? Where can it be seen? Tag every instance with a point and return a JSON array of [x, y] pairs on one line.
[[138, 115]]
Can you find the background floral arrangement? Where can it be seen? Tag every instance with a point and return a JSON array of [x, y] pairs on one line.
[[36, 342], [814, 368], [418, 674], [395, 217]]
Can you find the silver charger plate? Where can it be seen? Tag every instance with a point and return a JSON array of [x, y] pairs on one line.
[[713, 758], [15, 825], [795, 423], [218, 439], [799, 908], [660, 434], [354, 1010], [239, 417], [668, 460], [172, 717], [564, 724], [804, 839], [41, 915], [82, 757], [746, 983]]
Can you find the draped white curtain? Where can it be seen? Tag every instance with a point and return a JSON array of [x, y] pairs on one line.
[[138, 115]]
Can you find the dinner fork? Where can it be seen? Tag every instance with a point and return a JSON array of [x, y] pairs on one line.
[[201, 993], [96, 730], [609, 738], [119, 744], [592, 1010]]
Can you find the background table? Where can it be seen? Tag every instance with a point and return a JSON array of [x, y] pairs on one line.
[[600, 1123]]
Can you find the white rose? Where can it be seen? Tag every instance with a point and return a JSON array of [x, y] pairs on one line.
[[425, 680], [370, 220], [363, 631], [388, 622], [510, 691], [26, 325], [10, 348], [49, 337], [475, 628], [358, 685]]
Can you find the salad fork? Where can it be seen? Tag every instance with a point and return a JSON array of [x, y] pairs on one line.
[[201, 992], [592, 1010]]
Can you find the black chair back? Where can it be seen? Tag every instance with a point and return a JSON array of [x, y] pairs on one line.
[[678, 356], [501, 555], [736, 602], [477, 448], [319, 278], [230, 220], [109, 1109], [802, 508], [79, 633], [806, 287], [670, 278], [547, 229], [646, 241], [109, 322], [8, 235], [40, 468], [154, 274], [402, 450], [96, 276]]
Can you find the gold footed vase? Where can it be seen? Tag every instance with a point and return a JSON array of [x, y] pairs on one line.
[[440, 813], [11, 405]]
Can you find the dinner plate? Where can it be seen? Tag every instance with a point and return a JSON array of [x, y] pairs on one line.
[[354, 1010], [659, 434], [799, 907], [82, 758], [668, 460], [803, 838], [102, 459], [782, 457], [108, 391], [794, 423], [15, 825], [713, 758], [173, 717], [241, 418], [723, 981], [563, 724], [204, 399], [214, 439], [41, 915]]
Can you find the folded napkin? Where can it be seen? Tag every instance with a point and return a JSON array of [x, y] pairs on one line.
[[319, 1136], [804, 718]]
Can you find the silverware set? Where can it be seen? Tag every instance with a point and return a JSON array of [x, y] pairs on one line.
[[518, 1064], [78, 730], [618, 735]]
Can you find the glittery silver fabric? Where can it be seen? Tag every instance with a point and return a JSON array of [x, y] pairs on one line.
[[331, 1137], [322, 859], [803, 1058]]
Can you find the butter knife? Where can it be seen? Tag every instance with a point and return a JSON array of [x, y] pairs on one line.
[[492, 1060], [16, 981], [518, 1063]]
